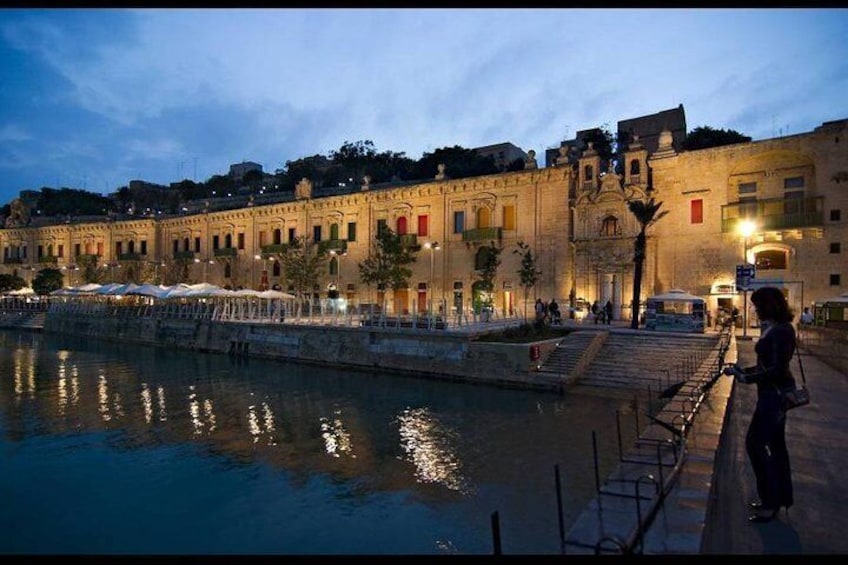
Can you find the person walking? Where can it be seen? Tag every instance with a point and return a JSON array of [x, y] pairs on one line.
[[608, 311], [596, 311], [765, 441], [553, 308], [540, 313]]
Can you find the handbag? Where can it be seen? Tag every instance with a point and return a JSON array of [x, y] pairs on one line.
[[794, 397]]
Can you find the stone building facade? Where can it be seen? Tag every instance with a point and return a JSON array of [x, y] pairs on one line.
[[574, 217]]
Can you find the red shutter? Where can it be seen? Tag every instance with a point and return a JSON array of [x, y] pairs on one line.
[[697, 212]]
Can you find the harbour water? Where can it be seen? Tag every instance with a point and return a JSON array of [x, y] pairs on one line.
[[120, 449]]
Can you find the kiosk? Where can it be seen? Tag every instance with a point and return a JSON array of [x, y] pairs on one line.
[[675, 311], [832, 312]]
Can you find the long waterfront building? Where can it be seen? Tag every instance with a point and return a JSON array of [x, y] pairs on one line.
[[573, 215]]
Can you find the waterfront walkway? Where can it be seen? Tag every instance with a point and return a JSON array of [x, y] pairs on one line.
[[817, 437]]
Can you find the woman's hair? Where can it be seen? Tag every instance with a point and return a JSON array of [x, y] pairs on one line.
[[771, 304]]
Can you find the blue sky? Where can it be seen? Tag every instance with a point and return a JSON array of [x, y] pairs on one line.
[[94, 98]]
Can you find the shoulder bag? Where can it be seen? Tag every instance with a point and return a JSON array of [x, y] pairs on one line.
[[796, 396]]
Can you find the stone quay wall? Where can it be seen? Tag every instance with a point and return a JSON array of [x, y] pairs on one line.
[[436, 354]]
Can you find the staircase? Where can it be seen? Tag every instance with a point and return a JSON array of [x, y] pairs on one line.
[[573, 354]]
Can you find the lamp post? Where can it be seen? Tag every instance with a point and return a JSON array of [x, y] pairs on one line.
[[432, 247], [746, 228]]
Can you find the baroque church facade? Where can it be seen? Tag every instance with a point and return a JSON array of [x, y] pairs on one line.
[[573, 215]]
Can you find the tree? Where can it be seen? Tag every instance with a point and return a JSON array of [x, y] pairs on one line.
[[646, 213], [487, 263], [47, 280], [11, 282], [529, 273], [387, 265], [703, 137], [459, 163], [302, 263]]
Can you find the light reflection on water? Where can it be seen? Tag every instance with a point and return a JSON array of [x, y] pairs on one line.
[[108, 448]]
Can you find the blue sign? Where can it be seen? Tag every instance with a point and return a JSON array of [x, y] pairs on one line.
[[744, 274]]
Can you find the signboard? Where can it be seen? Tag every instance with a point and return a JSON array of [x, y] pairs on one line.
[[744, 274]]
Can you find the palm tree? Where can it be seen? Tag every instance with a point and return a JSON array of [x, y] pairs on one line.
[[646, 213]]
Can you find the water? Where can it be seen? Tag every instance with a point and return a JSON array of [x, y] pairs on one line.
[[119, 449]]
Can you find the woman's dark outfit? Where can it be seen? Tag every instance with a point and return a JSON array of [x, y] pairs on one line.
[[766, 437]]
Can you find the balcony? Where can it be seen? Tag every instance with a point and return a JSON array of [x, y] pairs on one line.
[[184, 256], [12, 261], [774, 214], [482, 234], [86, 257], [226, 252], [409, 240], [337, 245], [48, 260], [129, 256], [274, 249]]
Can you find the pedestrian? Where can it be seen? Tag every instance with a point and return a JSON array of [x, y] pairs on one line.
[[608, 311], [553, 308], [540, 313], [765, 441], [734, 315], [807, 317], [596, 309]]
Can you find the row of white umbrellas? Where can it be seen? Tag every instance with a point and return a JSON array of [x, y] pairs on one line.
[[200, 290]]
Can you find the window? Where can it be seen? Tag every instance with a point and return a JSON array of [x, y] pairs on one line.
[[144, 247], [316, 233], [228, 271], [61, 250], [240, 239], [834, 280], [634, 167], [835, 247], [175, 246], [835, 215], [509, 217], [216, 242], [276, 269], [484, 218], [381, 227], [458, 221], [334, 232], [334, 266], [588, 172], [197, 244], [131, 247], [351, 231], [793, 183], [77, 252], [119, 248], [99, 248], [423, 225], [278, 236], [292, 235], [747, 188], [771, 259], [40, 251], [610, 227], [401, 226], [696, 211]]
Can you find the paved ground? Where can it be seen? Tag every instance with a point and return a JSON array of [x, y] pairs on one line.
[[817, 437]]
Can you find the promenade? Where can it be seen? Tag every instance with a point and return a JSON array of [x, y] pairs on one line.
[[817, 437]]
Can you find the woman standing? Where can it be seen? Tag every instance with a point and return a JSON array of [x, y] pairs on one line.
[[766, 438]]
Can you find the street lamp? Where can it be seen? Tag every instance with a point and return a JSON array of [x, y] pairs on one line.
[[746, 228], [432, 247]]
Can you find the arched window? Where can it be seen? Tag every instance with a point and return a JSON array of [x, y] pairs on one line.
[[228, 241], [401, 225], [771, 259], [334, 231], [185, 244], [275, 269], [634, 167], [131, 247], [278, 236], [484, 217], [610, 227], [588, 172]]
